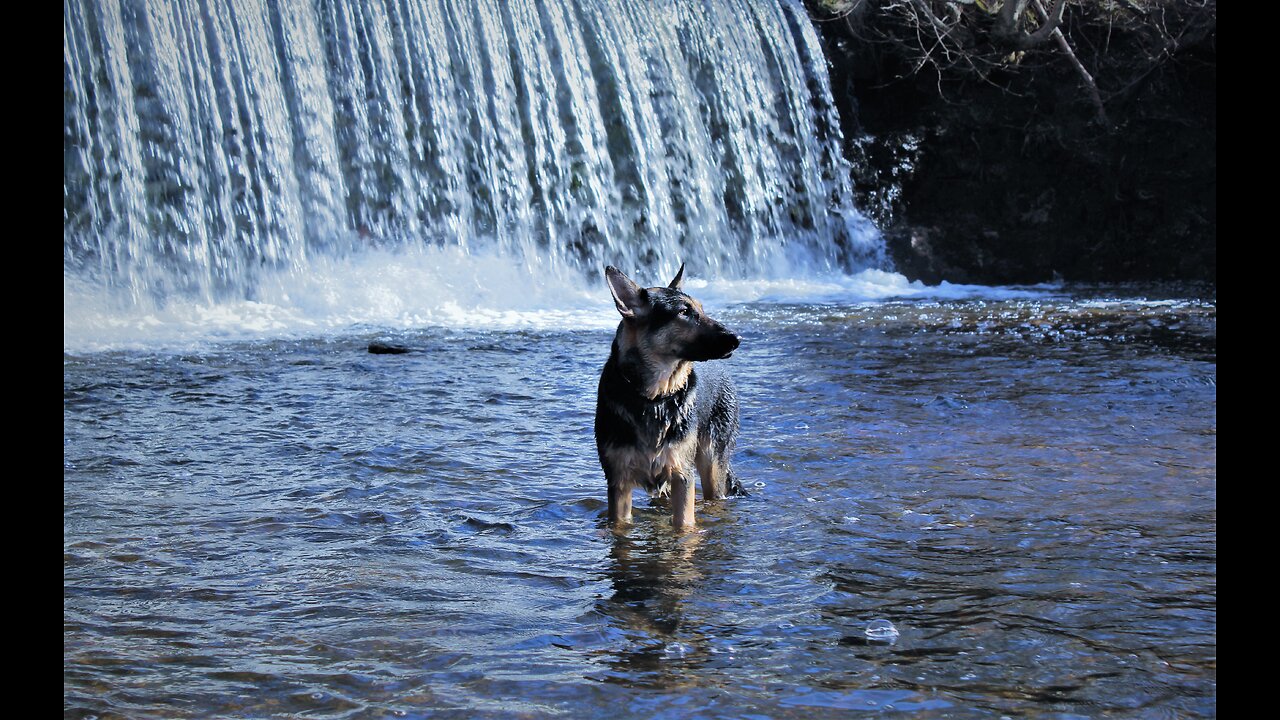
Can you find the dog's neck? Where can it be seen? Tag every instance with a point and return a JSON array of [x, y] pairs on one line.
[[668, 379], [653, 377]]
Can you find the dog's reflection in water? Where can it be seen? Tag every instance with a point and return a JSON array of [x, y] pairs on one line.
[[657, 576]]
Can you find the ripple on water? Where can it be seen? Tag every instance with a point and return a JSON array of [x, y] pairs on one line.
[[1025, 489]]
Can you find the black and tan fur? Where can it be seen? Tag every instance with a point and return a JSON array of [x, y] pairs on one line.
[[658, 418]]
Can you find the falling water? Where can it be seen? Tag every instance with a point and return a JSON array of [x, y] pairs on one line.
[[213, 148]]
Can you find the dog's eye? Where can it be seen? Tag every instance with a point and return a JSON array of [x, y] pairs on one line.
[[687, 311]]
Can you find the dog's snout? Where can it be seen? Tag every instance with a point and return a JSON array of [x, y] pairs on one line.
[[727, 342]]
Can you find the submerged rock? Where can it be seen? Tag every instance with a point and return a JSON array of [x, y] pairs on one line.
[[381, 348]]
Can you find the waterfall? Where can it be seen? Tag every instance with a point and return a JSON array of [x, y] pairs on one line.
[[211, 145]]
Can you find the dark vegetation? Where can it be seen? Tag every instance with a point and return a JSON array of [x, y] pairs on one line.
[[1014, 141]]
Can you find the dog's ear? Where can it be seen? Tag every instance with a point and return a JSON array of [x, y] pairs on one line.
[[628, 296], [675, 284]]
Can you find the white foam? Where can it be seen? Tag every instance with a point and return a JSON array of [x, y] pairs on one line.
[[432, 287], [834, 288], [1133, 302]]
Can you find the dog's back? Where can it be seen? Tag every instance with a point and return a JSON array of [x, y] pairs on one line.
[[717, 411], [657, 416]]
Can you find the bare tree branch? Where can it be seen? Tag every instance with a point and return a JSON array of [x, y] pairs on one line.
[[1009, 25], [1083, 72], [1005, 42], [1049, 22], [941, 28], [1010, 11]]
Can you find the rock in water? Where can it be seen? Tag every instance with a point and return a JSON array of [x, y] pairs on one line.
[[380, 348]]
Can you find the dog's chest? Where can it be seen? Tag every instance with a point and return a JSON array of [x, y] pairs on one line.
[[651, 425], [663, 422], [661, 442]]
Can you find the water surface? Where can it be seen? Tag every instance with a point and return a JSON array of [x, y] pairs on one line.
[[1025, 488]]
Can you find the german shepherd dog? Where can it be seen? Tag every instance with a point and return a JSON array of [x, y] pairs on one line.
[[657, 417]]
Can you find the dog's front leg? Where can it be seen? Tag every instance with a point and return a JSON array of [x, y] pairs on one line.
[[619, 503], [681, 502]]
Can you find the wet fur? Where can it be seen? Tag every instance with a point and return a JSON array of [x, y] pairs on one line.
[[661, 417]]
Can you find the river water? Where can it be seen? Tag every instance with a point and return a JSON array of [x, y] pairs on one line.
[[1022, 483]]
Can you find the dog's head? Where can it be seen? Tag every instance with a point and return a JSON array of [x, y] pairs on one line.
[[663, 322]]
